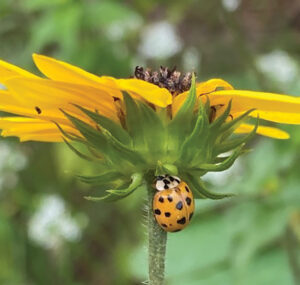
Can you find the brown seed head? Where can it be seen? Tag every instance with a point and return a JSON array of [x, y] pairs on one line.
[[170, 79]]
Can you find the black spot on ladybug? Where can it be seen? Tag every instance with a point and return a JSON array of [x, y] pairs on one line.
[[187, 189], [161, 199], [164, 225], [179, 205], [39, 111], [176, 231], [157, 212], [166, 186], [178, 181], [160, 178], [171, 178], [191, 215], [166, 181], [170, 225], [188, 200], [167, 214], [170, 199], [181, 221]]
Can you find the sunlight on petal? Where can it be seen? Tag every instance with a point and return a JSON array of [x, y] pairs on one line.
[[243, 100], [263, 130]]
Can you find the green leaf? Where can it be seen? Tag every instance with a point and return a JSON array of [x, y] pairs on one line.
[[114, 128], [199, 188]]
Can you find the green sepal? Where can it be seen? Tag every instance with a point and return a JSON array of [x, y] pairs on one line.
[[69, 136], [180, 125], [191, 143], [195, 144], [114, 195], [134, 121], [233, 123], [103, 179], [154, 131], [136, 181], [201, 191], [93, 137], [77, 152], [214, 126], [111, 148], [224, 164], [233, 143], [114, 128], [162, 169], [228, 128], [127, 153]]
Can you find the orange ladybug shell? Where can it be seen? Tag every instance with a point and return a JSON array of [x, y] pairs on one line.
[[173, 208]]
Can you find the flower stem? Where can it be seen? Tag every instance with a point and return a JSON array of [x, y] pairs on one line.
[[157, 245]]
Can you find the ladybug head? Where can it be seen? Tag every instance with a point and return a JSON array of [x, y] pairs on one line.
[[166, 181]]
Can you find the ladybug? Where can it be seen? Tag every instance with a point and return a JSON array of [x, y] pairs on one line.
[[173, 204]]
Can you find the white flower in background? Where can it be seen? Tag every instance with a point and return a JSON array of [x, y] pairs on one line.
[[52, 224], [231, 5], [279, 65], [160, 40], [191, 59], [116, 31]]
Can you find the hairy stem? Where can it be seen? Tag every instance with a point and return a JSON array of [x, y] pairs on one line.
[[157, 245]]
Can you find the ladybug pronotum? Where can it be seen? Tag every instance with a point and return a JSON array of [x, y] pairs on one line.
[[173, 204]]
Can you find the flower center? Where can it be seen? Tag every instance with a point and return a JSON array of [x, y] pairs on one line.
[[171, 79]]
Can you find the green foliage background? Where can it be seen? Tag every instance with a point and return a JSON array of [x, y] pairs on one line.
[[251, 239]]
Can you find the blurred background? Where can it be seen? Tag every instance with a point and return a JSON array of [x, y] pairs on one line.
[[50, 235]]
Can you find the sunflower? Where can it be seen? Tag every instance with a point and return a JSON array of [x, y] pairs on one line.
[[157, 121]]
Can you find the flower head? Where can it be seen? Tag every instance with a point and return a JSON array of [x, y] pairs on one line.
[[159, 122]]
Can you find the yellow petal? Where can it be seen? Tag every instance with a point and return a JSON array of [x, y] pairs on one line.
[[202, 88], [278, 117], [263, 130], [8, 71], [243, 100], [9, 104], [62, 71], [50, 96], [158, 96], [32, 129]]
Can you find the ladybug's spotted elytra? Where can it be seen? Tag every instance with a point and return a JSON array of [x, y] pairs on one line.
[[173, 204]]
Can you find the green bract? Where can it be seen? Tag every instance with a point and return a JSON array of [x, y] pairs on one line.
[[152, 143]]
